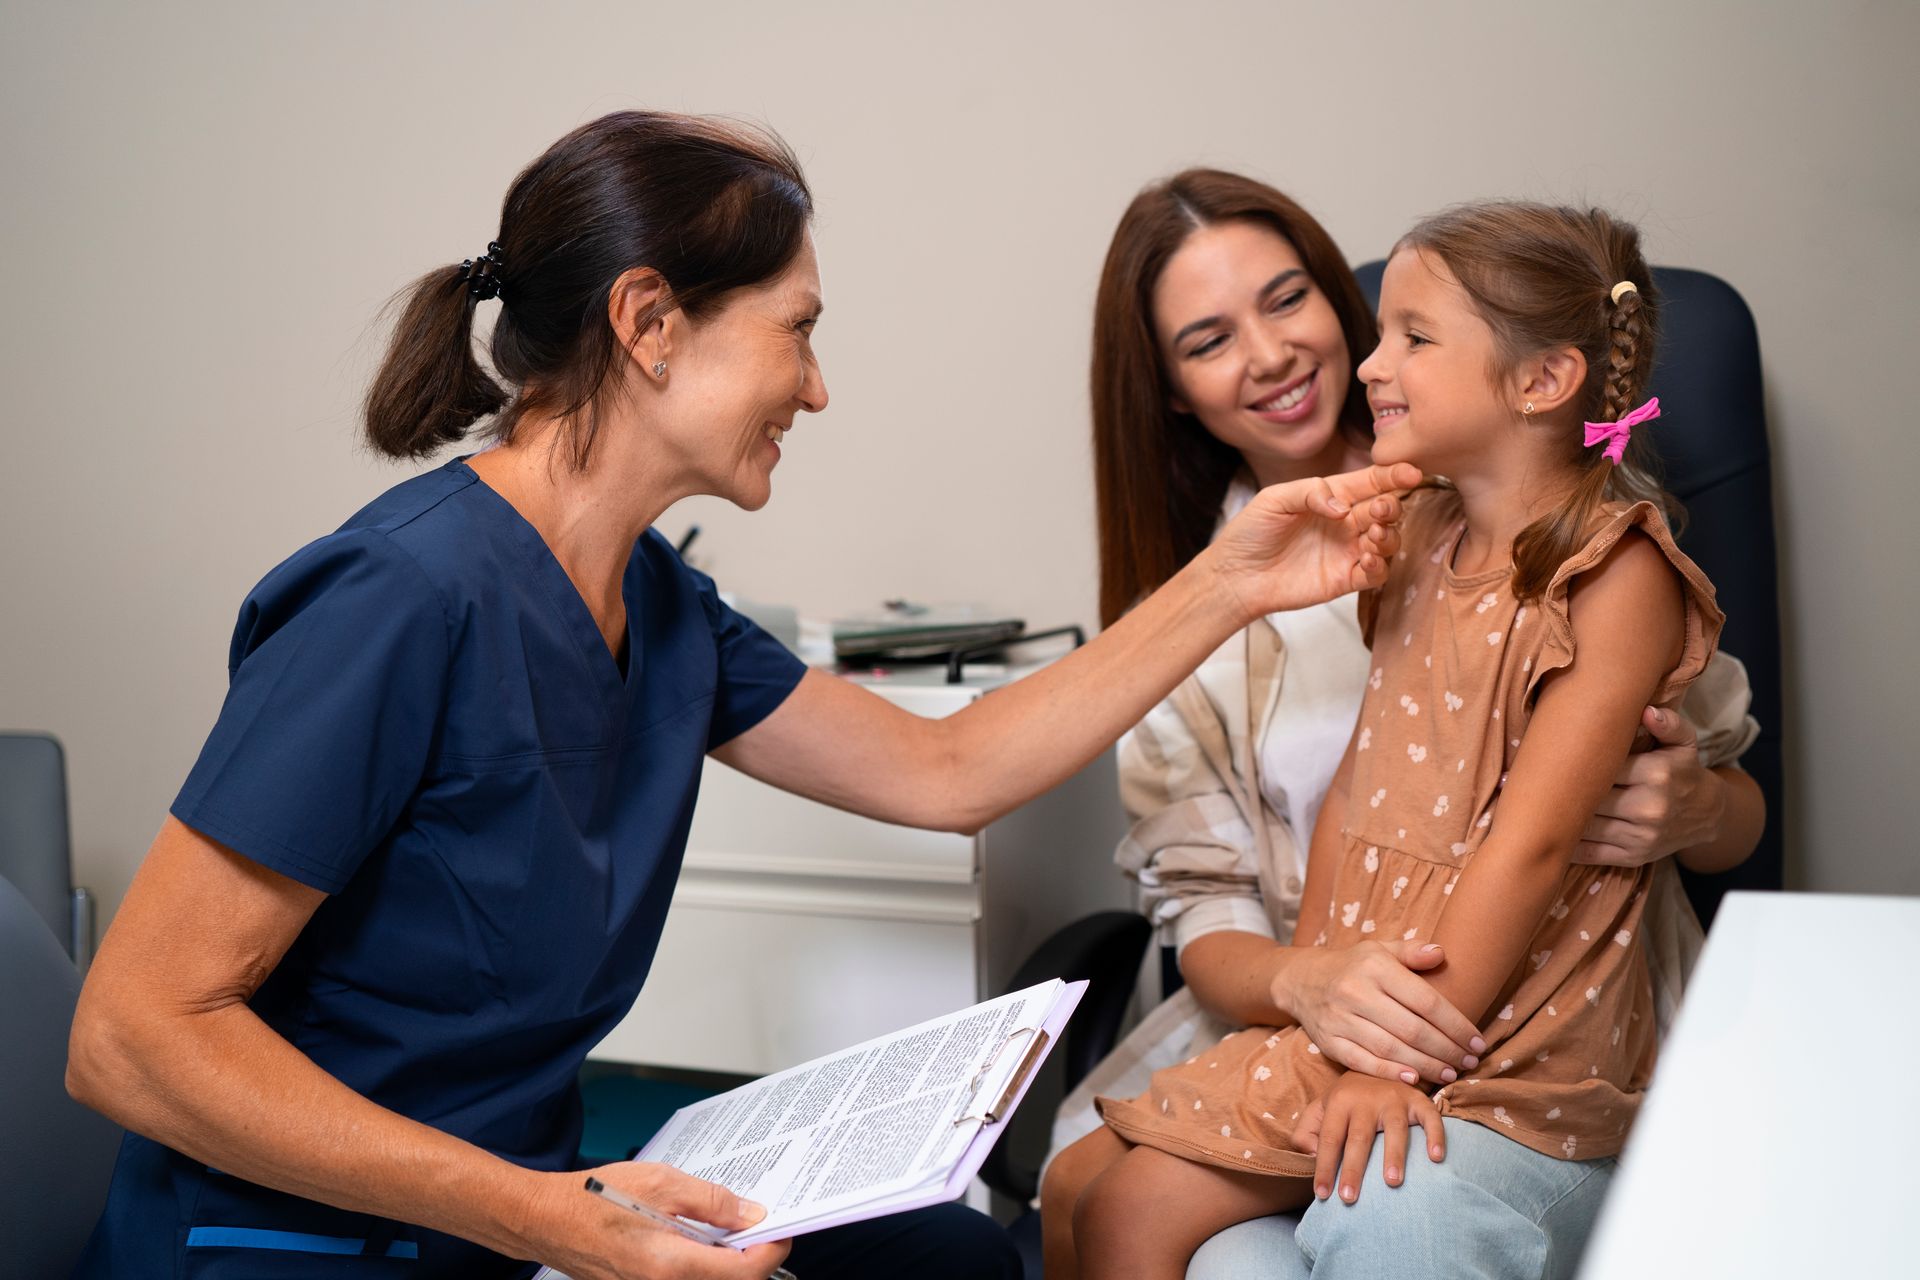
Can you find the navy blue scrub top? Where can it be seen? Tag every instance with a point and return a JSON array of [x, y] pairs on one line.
[[425, 723]]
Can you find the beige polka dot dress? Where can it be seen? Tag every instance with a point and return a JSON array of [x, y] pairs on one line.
[[1457, 663]]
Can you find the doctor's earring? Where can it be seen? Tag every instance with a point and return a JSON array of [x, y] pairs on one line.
[[660, 369], [1526, 412]]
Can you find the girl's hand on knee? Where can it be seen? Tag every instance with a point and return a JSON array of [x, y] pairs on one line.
[[1339, 1129]]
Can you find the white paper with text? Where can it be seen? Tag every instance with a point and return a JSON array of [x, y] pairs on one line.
[[858, 1127], [890, 1124]]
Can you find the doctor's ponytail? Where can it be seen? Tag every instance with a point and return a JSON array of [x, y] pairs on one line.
[[712, 205], [430, 389]]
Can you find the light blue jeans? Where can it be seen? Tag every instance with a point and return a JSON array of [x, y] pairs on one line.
[[1492, 1210]]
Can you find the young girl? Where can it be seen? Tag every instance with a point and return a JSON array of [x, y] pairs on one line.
[[1514, 350]]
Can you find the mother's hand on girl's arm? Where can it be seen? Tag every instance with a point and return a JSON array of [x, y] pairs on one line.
[[1665, 801], [1368, 1010], [1364, 1006]]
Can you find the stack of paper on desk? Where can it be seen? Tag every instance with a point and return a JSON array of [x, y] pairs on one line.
[[897, 1123], [908, 631]]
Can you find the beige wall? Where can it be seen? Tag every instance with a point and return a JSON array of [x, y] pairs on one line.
[[205, 206]]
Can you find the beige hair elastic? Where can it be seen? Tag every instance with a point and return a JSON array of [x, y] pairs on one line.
[[1624, 287]]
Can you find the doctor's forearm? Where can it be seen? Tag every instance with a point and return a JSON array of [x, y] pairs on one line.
[[1033, 734], [165, 1043], [222, 1088]]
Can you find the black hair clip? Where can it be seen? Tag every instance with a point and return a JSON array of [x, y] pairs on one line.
[[483, 274]]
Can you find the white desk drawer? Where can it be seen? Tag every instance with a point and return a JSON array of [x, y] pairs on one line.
[[755, 991], [797, 930], [743, 826]]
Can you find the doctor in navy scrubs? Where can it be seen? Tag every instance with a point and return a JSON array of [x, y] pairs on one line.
[[422, 862]]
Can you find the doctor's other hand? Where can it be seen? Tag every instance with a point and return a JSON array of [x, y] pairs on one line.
[[1306, 541], [589, 1238]]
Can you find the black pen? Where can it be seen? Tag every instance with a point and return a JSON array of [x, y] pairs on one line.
[[703, 1235]]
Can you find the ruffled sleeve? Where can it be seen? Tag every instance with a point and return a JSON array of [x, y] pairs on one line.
[[1703, 615]]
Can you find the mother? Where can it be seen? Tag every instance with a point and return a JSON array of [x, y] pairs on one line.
[[422, 863], [1226, 333]]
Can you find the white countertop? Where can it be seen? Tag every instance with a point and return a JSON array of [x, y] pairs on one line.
[[1778, 1138]]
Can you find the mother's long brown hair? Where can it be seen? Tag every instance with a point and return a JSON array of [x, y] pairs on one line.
[[1159, 477]]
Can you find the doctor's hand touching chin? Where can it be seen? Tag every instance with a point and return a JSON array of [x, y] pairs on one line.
[[422, 862]]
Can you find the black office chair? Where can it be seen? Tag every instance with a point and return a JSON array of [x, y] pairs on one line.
[[1712, 440], [1103, 949], [35, 849]]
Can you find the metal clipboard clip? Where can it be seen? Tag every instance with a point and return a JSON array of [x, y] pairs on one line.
[[1031, 1059]]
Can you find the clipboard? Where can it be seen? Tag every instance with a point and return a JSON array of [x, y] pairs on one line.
[[1008, 1089], [1038, 1042], [991, 1097], [1008, 1098]]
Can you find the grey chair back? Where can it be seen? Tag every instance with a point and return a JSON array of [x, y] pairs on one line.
[[56, 1156], [35, 847], [34, 840]]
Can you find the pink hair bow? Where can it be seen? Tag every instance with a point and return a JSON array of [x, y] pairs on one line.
[[1616, 434]]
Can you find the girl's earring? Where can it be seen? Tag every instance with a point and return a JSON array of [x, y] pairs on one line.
[[660, 371], [1528, 411]]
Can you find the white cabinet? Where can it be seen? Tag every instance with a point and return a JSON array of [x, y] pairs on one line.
[[797, 929]]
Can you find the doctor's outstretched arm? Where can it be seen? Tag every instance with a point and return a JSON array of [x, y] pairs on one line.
[[1295, 545]]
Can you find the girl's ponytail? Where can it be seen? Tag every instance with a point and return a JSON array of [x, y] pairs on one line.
[[1545, 278], [1543, 546], [430, 388], [1626, 373]]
